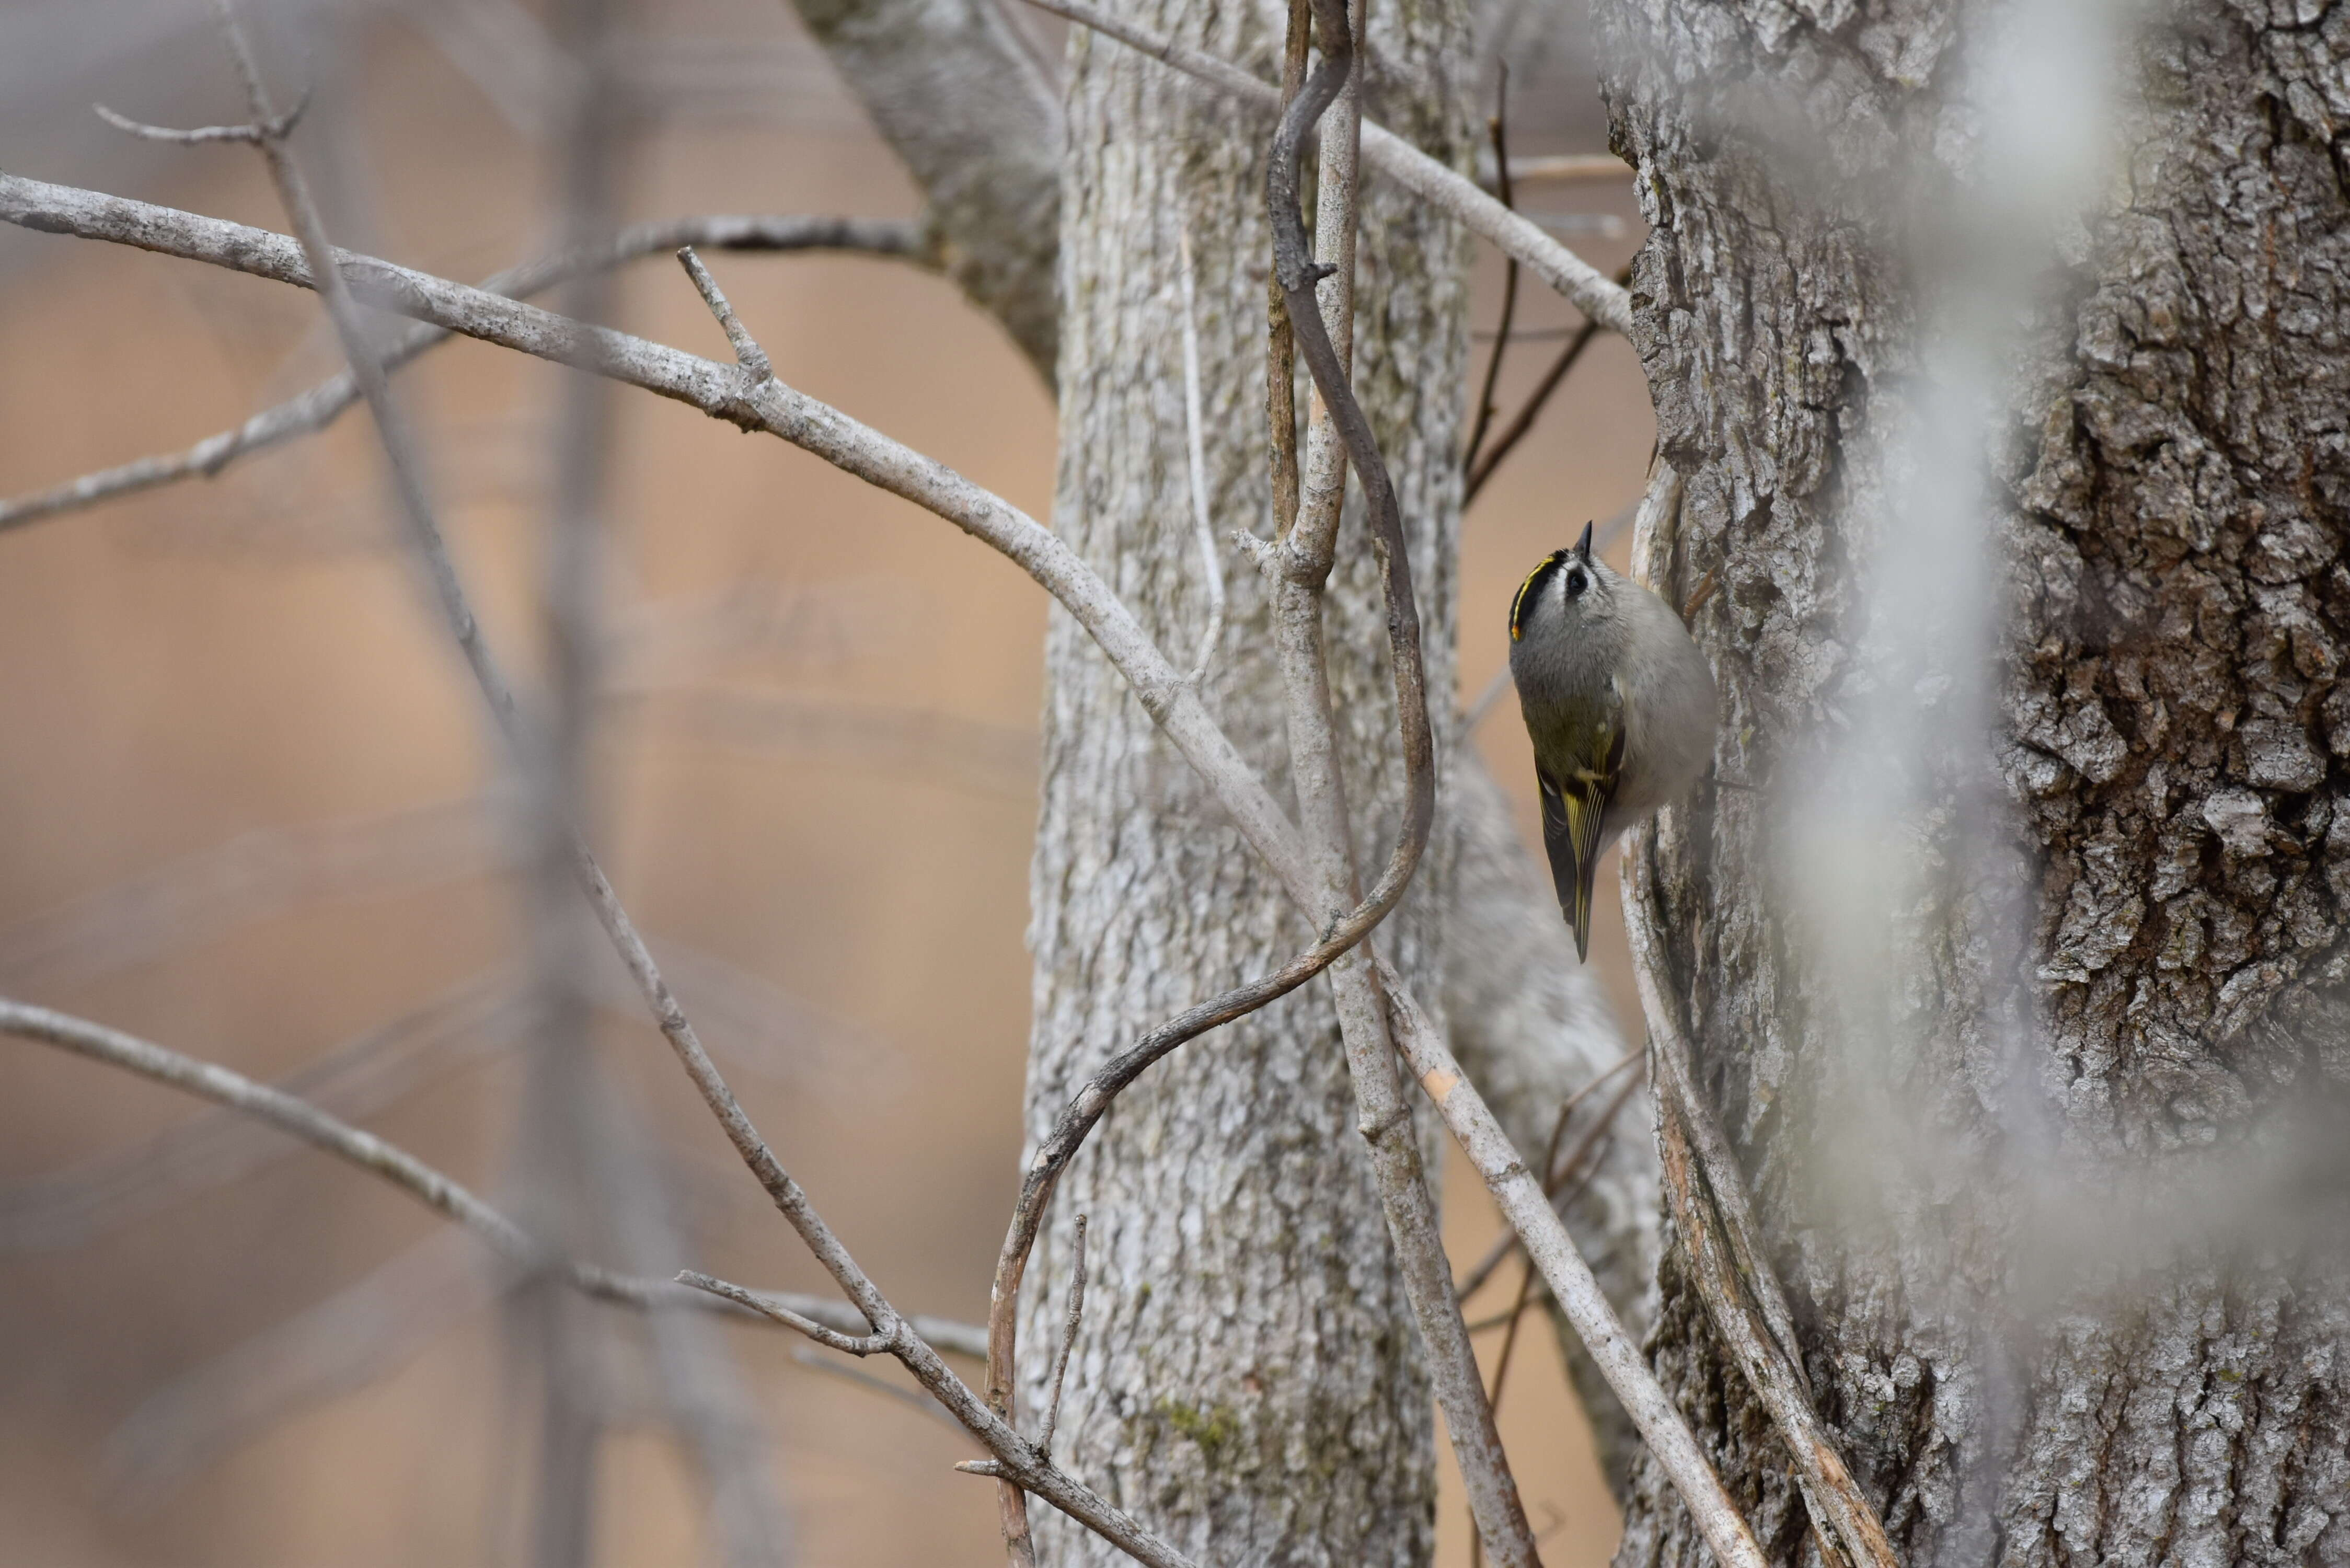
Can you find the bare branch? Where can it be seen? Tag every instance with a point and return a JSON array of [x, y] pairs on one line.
[[1498, 129], [439, 1193], [343, 1343], [319, 406], [1570, 274], [767, 1306], [277, 128], [1479, 472], [1068, 1337], [1165, 696], [1522, 1203], [1570, 168]]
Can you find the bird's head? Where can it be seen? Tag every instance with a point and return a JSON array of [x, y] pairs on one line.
[[1567, 589]]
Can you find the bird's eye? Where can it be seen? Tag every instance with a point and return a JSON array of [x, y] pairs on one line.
[[1576, 582]]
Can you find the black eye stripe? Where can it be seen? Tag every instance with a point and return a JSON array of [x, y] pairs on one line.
[[1576, 582]]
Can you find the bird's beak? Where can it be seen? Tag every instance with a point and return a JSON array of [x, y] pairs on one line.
[[1583, 546]]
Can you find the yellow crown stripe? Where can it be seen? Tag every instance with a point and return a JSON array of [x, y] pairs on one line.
[[1518, 604]]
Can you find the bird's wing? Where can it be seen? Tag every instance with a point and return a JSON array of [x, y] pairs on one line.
[[1575, 813]]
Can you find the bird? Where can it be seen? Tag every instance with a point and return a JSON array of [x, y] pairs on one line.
[[1619, 704]]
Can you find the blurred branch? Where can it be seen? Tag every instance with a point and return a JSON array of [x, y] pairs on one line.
[[935, 748], [253, 877], [1723, 1242], [392, 1163], [213, 1148], [1559, 169], [1604, 302], [1498, 129], [313, 410], [920, 1402], [1479, 472], [355, 1336]]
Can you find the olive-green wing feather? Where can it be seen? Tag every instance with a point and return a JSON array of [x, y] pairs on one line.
[[1575, 817]]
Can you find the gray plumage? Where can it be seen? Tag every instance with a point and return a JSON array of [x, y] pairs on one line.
[[1619, 704]]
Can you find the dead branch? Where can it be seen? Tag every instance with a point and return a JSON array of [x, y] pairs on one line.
[[388, 1161], [1498, 130], [1068, 1337]]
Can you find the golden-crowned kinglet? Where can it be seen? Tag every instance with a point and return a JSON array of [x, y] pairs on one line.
[[1619, 704]]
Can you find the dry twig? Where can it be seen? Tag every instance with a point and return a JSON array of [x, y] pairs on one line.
[[1068, 1336]]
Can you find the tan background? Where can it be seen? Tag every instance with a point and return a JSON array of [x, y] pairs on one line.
[[227, 659]]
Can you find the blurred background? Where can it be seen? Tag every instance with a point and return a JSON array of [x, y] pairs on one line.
[[252, 810]]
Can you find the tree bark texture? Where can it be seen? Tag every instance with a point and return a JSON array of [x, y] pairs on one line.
[[1247, 1377], [2024, 1369]]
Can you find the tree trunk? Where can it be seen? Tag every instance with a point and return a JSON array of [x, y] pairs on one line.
[[2072, 1291], [1247, 1377]]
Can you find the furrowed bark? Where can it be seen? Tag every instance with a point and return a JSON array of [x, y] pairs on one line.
[[2072, 1290]]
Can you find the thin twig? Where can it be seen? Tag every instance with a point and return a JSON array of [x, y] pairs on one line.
[[917, 1340], [439, 1193], [1407, 165], [1281, 343], [311, 411], [1518, 426], [859, 1344], [1212, 561], [1554, 1176], [277, 128], [748, 352], [1498, 129], [1068, 1336]]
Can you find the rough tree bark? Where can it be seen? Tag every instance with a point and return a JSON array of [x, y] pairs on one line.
[[2168, 490], [1248, 1374]]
